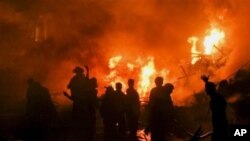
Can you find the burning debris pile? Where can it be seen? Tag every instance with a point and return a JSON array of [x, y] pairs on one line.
[[142, 69], [212, 47], [205, 59], [210, 54]]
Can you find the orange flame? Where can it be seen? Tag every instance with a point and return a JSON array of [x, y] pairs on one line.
[[141, 69], [213, 40], [112, 77], [114, 61], [146, 75], [130, 66], [194, 53]]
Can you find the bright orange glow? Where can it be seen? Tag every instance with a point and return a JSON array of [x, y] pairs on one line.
[[146, 75], [130, 66], [114, 61], [113, 75], [212, 40], [194, 53], [141, 69]]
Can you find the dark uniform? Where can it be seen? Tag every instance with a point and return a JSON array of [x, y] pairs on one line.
[[80, 88]]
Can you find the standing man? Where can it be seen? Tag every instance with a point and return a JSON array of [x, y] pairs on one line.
[[156, 117], [120, 111], [218, 108], [168, 108], [92, 105], [108, 112], [40, 111], [133, 109], [80, 91]]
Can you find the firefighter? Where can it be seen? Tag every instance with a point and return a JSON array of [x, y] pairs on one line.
[[81, 91]]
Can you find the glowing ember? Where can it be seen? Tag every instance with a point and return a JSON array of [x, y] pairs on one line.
[[215, 37]]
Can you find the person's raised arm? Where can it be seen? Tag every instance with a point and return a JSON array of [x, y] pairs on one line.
[[67, 95]]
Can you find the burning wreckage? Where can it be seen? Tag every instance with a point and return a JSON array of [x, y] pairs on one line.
[[205, 58], [208, 54]]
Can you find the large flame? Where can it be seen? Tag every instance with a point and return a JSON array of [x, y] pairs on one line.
[[141, 69], [215, 37], [211, 44], [146, 75]]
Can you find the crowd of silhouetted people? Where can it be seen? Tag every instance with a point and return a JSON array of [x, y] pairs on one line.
[[119, 110]]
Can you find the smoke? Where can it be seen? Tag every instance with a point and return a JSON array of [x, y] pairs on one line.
[[46, 39]]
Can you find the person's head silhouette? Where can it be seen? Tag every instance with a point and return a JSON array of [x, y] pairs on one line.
[[158, 81], [131, 83], [118, 86], [169, 88]]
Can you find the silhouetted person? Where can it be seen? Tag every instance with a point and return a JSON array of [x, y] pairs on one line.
[[40, 111], [157, 112], [168, 107], [120, 111], [224, 88], [133, 109], [108, 112], [91, 110], [218, 109], [80, 88]]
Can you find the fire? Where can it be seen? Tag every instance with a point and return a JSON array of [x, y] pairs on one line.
[[114, 61], [130, 66], [146, 74], [113, 75], [141, 69], [194, 53], [211, 42]]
